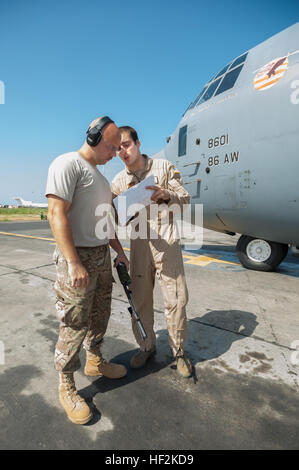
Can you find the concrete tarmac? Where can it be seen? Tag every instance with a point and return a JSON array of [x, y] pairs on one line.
[[243, 331]]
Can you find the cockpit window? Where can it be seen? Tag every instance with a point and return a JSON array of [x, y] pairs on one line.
[[223, 81], [198, 97], [194, 103], [222, 71], [229, 80], [239, 60], [210, 91]]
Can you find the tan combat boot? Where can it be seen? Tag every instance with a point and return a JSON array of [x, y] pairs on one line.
[[139, 359], [75, 406], [184, 366], [97, 366]]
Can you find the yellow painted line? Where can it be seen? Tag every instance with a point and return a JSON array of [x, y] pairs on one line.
[[203, 260], [200, 260], [26, 236]]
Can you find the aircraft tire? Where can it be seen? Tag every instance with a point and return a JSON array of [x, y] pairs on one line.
[[272, 253]]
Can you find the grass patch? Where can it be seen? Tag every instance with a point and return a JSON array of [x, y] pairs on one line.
[[22, 213], [22, 210]]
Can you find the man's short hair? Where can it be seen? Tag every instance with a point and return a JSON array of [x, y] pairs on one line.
[[131, 131]]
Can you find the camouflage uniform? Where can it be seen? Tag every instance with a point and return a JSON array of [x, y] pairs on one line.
[[83, 312]]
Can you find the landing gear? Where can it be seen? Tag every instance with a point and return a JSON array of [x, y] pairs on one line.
[[260, 255]]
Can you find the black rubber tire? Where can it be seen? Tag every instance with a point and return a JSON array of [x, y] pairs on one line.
[[278, 253]]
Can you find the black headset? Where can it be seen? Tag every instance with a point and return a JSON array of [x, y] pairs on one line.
[[94, 133]]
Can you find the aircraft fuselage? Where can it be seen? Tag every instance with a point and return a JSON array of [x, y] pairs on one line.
[[238, 151]]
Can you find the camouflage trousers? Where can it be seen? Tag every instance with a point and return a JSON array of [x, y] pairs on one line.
[[83, 312]]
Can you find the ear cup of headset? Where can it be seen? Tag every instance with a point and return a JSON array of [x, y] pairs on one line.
[[94, 134]]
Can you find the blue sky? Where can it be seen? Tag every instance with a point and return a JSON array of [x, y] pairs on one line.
[[65, 62]]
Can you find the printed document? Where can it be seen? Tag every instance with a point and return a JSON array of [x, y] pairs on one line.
[[129, 203]]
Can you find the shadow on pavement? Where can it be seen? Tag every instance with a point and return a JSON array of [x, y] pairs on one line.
[[103, 385], [213, 334]]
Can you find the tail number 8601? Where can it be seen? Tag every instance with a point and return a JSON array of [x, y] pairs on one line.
[[217, 141]]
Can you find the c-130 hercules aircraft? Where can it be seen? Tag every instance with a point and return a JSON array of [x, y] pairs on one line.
[[237, 149]]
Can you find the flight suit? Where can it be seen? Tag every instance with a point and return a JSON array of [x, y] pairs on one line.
[[159, 256]]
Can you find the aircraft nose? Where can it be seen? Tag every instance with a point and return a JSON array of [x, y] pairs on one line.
[[160, 154]]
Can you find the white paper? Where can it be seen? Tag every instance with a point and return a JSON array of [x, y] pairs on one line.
[[125, 202]]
